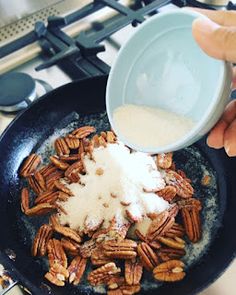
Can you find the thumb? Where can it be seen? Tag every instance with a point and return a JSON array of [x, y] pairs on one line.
[[217, 41]]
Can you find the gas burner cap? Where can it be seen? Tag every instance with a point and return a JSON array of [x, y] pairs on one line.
[[17, 91]]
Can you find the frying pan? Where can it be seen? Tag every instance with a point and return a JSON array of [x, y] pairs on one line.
[[25, 135]]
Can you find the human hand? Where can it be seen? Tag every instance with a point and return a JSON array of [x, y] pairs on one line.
[[217, 37]]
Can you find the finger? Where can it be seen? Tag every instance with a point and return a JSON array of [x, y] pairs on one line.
[[234, 78], [230, 139], [230, 112], [216, 137], [217, 41], [221, 17]]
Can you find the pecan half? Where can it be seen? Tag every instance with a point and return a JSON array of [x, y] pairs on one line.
[[183, 174], [183, 187], [161, 224], [101, 235], [50, 180], [67, 232], [56, 253], [140, 236], [164, 161], [95, 141], [111, 137], [72, 141], [153, 244], [98, 257], [148, 257], [87, 248], [103, 274], [169, 271], [125, 249], [63, 196], [61, 147], [30, 165], [60, 209], [74, 171], [133, 271], [190, 203], [48, 170], [41, 209], [175, 243], [81, 150], [62, 187], [167, 193], [59, 163], [53, 220], [37, 182], [47, 197], [104, 134], [115, 282], [83, 131], [118, 231], [177, 230], [91, 227], [190, 210], [108, 136], [132, 218], [76, 269], [41, 239], [70, 247], [57, 275], [102, 141], [70, 158], [166, 254], [24, 200]]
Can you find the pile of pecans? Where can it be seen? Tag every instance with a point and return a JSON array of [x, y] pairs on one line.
[[117, 260]]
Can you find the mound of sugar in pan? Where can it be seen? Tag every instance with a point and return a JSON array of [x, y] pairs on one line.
[[116, 180]]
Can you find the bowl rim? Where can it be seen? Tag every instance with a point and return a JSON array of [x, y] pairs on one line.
[[221, 83]]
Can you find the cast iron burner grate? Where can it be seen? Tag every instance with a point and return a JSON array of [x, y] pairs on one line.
[[78, 56]]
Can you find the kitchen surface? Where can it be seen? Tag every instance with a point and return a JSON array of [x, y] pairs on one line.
[[54, 61]]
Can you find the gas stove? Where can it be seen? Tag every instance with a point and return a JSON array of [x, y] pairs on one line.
[[61, 42]]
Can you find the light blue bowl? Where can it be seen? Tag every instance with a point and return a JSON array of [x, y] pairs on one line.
[[161, 65]]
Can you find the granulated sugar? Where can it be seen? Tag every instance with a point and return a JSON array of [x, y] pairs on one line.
[[116, 180], [150, 127]]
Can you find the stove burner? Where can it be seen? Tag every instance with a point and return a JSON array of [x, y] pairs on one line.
[[18, 90]]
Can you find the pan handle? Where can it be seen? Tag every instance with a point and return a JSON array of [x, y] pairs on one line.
[[9, 276], [6, 282], [8, 288]]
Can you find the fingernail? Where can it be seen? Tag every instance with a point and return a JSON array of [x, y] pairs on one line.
[[228, 149], [209, 143]]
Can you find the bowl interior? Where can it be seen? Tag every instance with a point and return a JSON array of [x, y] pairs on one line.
[[162, 66]]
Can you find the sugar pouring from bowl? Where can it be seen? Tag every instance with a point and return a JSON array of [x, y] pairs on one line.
[[147, 127], [162, 84]]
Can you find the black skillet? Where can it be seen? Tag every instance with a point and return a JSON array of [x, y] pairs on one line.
[[25, 135]]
